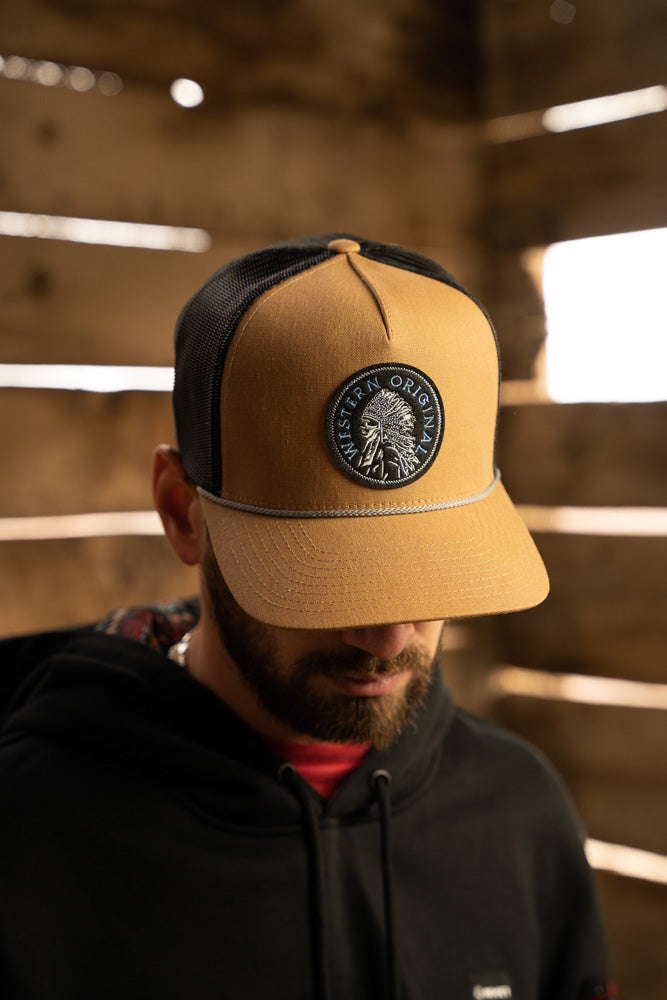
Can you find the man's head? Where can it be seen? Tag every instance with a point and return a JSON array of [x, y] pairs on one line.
[[336, 403]]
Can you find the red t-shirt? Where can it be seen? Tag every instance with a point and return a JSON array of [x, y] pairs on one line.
[[322, 765]]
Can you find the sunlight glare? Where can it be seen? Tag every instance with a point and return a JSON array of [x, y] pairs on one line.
[[606, 320]]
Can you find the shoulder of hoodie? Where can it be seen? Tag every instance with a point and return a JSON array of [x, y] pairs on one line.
[[21, 656], [39, 774], [25, 663], [501, 764]]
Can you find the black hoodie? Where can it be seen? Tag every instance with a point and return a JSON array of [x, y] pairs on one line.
[[152, 848]]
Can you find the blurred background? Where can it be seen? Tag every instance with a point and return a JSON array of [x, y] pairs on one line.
[[522, 144]]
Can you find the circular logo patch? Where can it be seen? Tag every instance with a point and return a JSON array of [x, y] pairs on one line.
[[384, 425]]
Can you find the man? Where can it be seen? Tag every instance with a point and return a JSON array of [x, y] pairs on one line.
[[270, 794]]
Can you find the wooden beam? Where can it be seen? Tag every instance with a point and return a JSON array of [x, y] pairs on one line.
[[56, 583], [69, 303], [511, 288], [258, 175], [385, 57], [590, 454], [635, 915], [604, 615], [589, 182], [71, 452], [532, 61]]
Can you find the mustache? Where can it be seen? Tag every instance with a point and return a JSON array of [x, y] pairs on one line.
[[357, 663]]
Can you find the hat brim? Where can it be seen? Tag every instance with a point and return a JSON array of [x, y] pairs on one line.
[[349, 572]]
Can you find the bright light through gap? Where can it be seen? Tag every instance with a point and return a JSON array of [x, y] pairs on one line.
[[89, 378], [601, 110], [604, 300], [629, 861], [579, 688], [104, 232], [95, 525], [51, 74], [187, 93]]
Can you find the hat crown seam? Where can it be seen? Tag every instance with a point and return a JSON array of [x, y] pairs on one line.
[[377, 298]]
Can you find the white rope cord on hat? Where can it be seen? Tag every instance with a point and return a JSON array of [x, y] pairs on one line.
[[375, 512]]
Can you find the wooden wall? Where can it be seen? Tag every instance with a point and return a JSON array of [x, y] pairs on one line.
[[377, 119], [606, 613]]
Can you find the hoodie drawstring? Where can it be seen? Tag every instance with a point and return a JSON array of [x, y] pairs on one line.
[[288, 776], [380, 781]]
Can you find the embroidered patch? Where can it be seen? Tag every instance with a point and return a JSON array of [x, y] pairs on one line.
[[490, 986], [384, 425]]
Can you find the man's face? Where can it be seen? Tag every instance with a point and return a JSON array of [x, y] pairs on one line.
[[318, 683]]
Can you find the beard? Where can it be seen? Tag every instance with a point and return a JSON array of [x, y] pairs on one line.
[[290, 691]]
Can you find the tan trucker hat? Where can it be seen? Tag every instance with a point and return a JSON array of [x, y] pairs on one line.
[[336, 403]]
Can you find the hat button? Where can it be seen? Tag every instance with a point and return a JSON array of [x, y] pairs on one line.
[[344, 246]]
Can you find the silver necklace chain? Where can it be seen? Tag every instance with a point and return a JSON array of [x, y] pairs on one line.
[[179, 651]]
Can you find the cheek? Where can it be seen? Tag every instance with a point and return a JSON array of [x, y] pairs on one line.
[[291, 646]]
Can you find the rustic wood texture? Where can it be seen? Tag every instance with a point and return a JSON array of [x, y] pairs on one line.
[[74, 452], [385, 57], [76, 581], [511, 287], [635, 913], [258, 173], [70, 303], [584, 454], [532, 62], [588, 182], [605, 613]]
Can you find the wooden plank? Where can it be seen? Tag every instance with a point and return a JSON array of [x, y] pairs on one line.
[[265, 171], [589, 182], [635, 916], [589, 454], [532, 62], [511, 289], [381, 57], [605, 614], [51, 584], [70, 303], [72, 452], [614, 761]]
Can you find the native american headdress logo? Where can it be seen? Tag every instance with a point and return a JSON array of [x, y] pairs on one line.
[[385, 424]]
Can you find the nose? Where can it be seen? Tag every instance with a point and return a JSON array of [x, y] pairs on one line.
[[383, 641]]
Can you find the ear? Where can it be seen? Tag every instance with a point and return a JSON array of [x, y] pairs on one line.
[[177, 502]]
